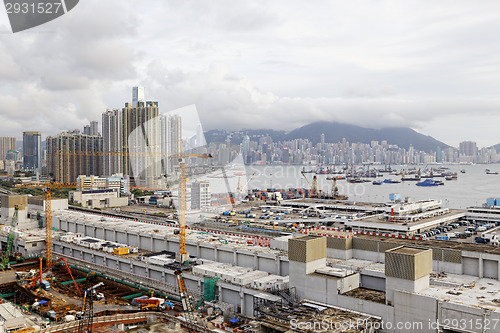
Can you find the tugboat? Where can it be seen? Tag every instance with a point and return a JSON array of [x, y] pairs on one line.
[[488, 172], [428, 182]]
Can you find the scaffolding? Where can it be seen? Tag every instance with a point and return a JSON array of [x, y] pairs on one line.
[[209, 289]]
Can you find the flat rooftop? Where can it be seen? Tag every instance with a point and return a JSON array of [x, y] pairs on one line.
[[407, 250], [145, 228], [452, 214], [465, 289], [474, 247], [308, 237]]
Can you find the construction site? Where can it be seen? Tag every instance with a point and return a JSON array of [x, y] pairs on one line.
[[256, 266]]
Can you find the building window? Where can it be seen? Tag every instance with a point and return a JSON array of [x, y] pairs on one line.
[[33, 244]]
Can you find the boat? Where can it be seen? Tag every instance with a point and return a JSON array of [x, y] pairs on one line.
[[391, 181], [488, 172], [416, 178], [377, 182], [462, 171], [428, 182]]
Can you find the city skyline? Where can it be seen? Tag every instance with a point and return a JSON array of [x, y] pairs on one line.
[[375, 65]]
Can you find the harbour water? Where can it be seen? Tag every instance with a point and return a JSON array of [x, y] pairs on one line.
[[470, 189]]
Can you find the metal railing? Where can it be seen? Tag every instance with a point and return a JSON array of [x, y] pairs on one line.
[[114, 319]]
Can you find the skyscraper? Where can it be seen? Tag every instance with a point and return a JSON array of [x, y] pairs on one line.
[[131, 141], [137, 96], [94, 128], [468, 148], [32, 151], [72, 154], [6, 143], [170, 135]]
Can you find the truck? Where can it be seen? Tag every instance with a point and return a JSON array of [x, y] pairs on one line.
[[489, 236], [481, 240], [45, 285]]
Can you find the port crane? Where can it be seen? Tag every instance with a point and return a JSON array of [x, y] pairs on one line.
[[87, 314], [10, 240], [313, 185], [335, 189]]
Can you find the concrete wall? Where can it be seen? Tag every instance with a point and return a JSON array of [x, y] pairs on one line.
[[270, 262], [414, 312], [240, 297]]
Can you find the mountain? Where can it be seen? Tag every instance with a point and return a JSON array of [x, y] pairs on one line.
[[497, 147], [334, 132]]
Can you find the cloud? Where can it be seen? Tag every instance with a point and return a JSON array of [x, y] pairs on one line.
[[278, 64]]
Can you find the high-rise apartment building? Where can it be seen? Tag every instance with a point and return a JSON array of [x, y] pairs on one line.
[[137, 96], [92, 128], [131, 141], [468, 148], [6, 143], [32, 151], [72, 154], [170, 140], [200, 195]]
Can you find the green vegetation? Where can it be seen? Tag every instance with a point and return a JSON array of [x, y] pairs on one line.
[[56, 193], [139, 193], [23, 174]]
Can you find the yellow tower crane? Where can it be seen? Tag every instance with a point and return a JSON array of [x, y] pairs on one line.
[[47, 187], [183, 255]]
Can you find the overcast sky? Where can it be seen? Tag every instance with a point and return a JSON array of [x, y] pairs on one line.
[[430, 65]]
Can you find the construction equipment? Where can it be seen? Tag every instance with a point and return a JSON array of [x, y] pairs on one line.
[[10, 241], [154, 304], [183, 256], [314, 185], [86, 316], [335, 189], [185, 298], [47, 188], [39, 277]]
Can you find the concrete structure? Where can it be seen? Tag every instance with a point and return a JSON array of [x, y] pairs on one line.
[[406, 269], [200, 195], [38, 203], [170, 145], [413, 303], [310, 276], [132, 135], [410, 294], [71, 154], [98, 199], [6, 143], [32, 150], [117, 182], [11, 318], [486, 213], [9, 202], [398, 217]]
